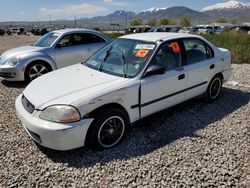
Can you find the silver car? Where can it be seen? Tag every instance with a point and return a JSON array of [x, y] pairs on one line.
[[55, 50]]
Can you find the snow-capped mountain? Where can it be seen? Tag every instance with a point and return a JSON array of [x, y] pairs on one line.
[[227, 5], [229, 10], [154, 9]]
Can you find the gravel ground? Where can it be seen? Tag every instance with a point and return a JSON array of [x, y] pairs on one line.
[[8, 42], [191, 145]]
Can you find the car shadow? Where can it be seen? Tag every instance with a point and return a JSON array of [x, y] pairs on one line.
[[10, 84], [158, 130]]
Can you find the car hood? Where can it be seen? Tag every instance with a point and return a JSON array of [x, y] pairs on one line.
[[70, 84], [17, 52]]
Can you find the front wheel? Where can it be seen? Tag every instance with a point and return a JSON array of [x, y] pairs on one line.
[[214, 89], [36, 70], [107, 129]]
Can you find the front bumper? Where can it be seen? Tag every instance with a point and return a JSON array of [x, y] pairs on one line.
[[53, 135], [15, 73]]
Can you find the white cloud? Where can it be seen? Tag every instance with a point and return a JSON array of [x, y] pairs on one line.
[[118, 4], [84, 9], [21, 13]]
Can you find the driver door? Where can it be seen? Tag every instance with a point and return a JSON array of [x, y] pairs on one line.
[[65, 54], [161, 91]]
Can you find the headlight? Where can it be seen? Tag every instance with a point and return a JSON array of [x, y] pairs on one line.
[[13, 61], [60, 114]]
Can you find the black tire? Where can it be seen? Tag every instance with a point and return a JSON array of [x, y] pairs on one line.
[[103, 133], [42, 68], [214, 89]]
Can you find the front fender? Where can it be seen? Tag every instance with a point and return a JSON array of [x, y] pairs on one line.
[[126, 97], [35, 56]]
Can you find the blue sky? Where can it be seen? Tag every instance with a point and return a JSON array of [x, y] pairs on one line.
[[28, 10]]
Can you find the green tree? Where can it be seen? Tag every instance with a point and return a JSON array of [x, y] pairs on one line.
[[221, 20], [173, 22], [185, 21], [152, 22], [136, 22], [234, 21], [165, 21]]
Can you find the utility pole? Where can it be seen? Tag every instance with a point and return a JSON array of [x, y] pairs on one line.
[[75, 20], [49, 20], [126, 19]]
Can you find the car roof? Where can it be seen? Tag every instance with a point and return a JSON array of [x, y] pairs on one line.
[[72, 30], [156, 36]]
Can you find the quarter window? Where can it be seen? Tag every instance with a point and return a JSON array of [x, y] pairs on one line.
[[86, 38], [169, 55], [197, 50]]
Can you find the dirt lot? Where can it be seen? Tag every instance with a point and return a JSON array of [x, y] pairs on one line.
[[192, 145], [8, 42]]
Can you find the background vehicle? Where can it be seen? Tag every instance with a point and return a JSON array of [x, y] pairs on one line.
[[2, 32], [55, 50], [157, 29], [132, 77], [19, 30], [209, 29], [243, 29], [41, 31], [172, 28], [189, 30]]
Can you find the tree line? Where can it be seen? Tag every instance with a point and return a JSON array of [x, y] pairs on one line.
[[184, 21]]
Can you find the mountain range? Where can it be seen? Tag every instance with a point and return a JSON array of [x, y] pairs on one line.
[[231, 10]]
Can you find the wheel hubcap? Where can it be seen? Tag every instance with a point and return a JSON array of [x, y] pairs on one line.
[[111, 131], [37, 70], [215, 88]]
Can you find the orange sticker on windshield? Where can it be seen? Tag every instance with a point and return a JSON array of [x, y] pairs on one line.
[[175, 47], [141, 53]]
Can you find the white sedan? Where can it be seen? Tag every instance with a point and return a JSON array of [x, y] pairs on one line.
[[132, 77]]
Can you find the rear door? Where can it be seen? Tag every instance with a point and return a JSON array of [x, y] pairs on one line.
[[199, 63], [161, 91], [87, 44]]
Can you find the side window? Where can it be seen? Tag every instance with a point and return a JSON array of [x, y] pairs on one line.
[[96, 39], [86, 38], [169, 55], [65, 41], [78, 39], [197, 50]]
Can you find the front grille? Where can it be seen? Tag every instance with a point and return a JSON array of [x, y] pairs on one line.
[[28, 106]]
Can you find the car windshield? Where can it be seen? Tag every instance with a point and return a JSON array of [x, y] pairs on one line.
[[47, 40], [122, 57]]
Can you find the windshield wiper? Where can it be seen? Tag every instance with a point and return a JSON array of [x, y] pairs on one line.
[[105, 58], [123, 65]]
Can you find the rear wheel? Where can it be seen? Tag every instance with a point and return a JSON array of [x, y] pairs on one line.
[[214, 89], [36, 70], [107, 129]]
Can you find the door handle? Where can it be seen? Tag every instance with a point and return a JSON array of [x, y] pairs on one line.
[[182, 76], [89, 49], [212, 66]]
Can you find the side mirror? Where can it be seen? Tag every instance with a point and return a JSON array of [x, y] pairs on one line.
[[154, 70]]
